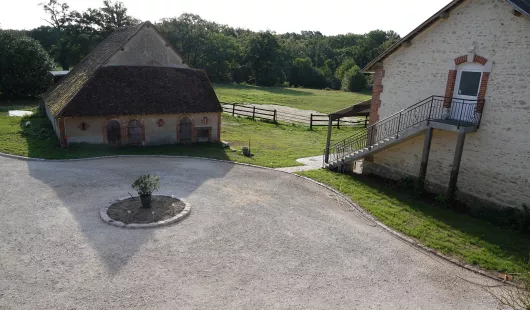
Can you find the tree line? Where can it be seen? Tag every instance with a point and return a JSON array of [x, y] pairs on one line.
[[227, 54]]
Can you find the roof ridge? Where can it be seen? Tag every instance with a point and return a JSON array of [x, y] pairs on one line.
[[98, 66]]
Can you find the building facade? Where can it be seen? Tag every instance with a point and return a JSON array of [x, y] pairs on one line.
[[472, 50], [133, 88]]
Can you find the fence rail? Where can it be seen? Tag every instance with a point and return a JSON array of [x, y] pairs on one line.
[[313, 120]]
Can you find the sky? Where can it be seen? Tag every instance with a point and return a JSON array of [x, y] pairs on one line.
[[327, 16]]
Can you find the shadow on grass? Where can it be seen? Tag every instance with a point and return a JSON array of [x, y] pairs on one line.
[[501, 242], [274, 90], [17, 103]]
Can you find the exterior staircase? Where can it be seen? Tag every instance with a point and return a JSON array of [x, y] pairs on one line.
[[444, 113]]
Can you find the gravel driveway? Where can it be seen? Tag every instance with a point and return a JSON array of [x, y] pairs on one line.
[[255, 239]]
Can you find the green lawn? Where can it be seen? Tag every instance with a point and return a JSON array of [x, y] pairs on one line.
[[273, 145], [324, 101], [468, 239]]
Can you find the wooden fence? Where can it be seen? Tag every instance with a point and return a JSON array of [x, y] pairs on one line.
[[314, 120]]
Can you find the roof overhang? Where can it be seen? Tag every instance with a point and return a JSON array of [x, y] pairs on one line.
[[441, 14], [519, 5], [359, 109]]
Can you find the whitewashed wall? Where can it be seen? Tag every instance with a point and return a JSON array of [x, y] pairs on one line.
[[496, 160]]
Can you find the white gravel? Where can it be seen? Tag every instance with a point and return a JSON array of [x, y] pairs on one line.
[[256, 239]]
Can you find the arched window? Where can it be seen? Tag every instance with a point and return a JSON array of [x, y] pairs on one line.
[[113, 132], [134, 132], [185, 130]]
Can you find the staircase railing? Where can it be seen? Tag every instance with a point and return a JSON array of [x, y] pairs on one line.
[[453, 111]]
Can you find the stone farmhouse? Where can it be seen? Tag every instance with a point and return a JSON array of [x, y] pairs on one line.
[[133, 88], [451, 106]]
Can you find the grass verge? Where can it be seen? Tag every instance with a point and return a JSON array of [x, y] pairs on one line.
[[468, 239], [324, 101]]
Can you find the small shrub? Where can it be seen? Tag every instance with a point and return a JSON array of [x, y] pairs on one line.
[[146, 184], [353, 80]]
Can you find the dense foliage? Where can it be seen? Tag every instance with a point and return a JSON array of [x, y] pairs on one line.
[[24, 65], [307, 59]]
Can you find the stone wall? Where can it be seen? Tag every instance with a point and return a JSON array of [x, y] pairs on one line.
[[496, 160], [157, 129]]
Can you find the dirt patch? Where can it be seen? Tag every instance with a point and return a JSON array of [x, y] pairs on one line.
[[162, 208]]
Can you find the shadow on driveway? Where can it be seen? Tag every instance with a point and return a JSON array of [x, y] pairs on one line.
[[83, 187]]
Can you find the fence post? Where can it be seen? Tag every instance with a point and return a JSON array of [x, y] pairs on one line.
[[311, 122], [338, 123], [365, 121], [253, 112], [274, 120], [233, 108]]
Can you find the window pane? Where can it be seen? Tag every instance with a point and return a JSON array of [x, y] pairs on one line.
[[469, 83]]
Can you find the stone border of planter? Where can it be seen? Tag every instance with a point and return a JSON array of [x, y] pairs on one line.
[[177, 218]]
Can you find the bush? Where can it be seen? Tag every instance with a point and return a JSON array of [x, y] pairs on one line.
[[354, 80], [146, 184], [343, 68], [24, 66], [304, 74]]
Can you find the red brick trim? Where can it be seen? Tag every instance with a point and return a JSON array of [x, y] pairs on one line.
[[460, 60], [479, 59], [178, 126], [62, 132], [451, 81], [219, 127], [376, 94], [105, 141], [449, 88], [193, 131], [482, 91], [142, 128]]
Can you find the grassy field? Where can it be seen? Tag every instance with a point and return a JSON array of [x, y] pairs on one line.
[[324, 101], [468, 239], [273, 145]]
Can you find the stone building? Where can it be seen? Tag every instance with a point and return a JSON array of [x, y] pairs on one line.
[[133, 88], [451, 105]]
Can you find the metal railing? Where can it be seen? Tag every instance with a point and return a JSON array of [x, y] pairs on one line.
[[453, 111]]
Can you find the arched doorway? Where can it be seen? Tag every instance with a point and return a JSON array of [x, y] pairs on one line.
[[113, 132], [134, 132], [185, 130]]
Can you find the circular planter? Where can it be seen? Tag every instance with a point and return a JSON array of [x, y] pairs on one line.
[[103, 213]]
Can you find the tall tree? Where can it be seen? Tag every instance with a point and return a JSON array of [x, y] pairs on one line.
[[263, 56], [24, 65], [59, 16], [114, 16]]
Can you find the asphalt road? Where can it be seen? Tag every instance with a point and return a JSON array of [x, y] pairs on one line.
[[255, 239]]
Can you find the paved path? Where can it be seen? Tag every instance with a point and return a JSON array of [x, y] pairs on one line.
[[255, 239], [310, 163]]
